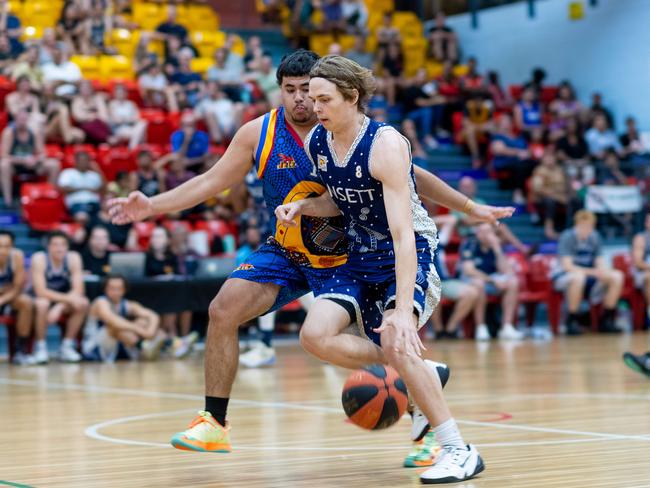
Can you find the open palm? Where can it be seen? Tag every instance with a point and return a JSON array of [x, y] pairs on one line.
[[137, 206]]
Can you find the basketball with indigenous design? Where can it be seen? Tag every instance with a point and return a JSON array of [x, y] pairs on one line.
[[374, 397]]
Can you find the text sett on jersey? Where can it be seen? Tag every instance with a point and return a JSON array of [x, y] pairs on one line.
[[351, 195]]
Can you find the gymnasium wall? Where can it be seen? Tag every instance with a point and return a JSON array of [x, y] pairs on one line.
[[608, 50]]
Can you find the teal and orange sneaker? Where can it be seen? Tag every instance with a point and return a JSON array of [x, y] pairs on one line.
[[204, 434], [424, 452]]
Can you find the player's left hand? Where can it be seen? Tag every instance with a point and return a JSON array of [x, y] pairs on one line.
[[287, 213], [490, 214], [406, 336]]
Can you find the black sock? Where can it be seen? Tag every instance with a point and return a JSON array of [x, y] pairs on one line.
[[217, 407], [139, 343], [573, 318], [267, 337], [22, 344]]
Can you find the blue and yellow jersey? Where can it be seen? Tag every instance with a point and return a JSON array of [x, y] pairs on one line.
[[287, 175]]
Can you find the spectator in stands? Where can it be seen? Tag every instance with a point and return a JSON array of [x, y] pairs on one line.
[[449, 87], [483, 261], [121, 187], [95, 253], [173, 48], [57, 278], [537, 143], [7, 58], [155, 89], [71, 28], [443, 43], [564, 108], [124, 118], [185, 82], [333, 21], [47, 46], [359, 54], [631, 141], [573, 152], [511, 154], [387, 34], [177, 174], [90, 113], [610, 172], [171, 28], [82, 187], [537, 80], [500, 97], [477, 125], [252, 58], [465, 224], [23, 151], [58, 125], [582, 272], [98, 24], [179, 244], [355, 15], [391, 60], [229, 75], [12, 296], [189, 145], [528, 112], [550, 192], [24, 100], [113, 321], [10, 26], [472, 82], [641, 263], [28, 66], [601, 138], [147, 179], [162, 262], [597, 108], [266, 80], [221, 115], [423, 106], [119, 235]]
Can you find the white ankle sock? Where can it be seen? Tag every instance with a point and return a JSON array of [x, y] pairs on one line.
[[67, 343], [40, 345], [447, 434]]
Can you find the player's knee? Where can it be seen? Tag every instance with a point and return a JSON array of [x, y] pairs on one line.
[[42, 304], [616, 276], [577, 278], [513, 283], [310, 339], [23, 302], [220, 315], [396, 357]]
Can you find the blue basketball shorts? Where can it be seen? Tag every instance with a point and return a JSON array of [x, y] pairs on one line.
[[273, 264], [366, 292]]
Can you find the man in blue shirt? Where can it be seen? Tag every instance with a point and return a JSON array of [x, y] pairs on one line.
[[189, 144]]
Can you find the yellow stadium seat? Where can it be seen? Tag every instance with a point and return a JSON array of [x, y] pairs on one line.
[[346, 42], [408, 24], [31, 32], [115, 68], [89, 66], [380, 5], [317, 17], [206, 42], [123, 40], [375, 19], [460, 70], [434, 69], [320, 43], [203, 17], [239, 46], [201, 65], [40, 14], [158, 47], [16, 8], [183, 16], [148, 15]]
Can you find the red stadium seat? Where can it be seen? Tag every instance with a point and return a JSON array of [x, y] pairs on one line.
[[549, 93], [69, 228], [6, 87], [9, 321], [215, 228], [159, 128], [112, 160], [631, 293], [516, 91], [143, 231], [69, 152], [43, 207], [539, 281]]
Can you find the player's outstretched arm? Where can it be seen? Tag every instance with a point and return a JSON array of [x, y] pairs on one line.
[[389, 163], [322, 206], [433, 188], [230, 170]]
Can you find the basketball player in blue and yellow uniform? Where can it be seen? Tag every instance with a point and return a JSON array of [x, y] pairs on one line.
[[389, 283], [292, 262], [57, 280]]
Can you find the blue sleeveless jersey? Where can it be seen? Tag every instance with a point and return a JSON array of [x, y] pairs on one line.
[[360, 198], [287, 175]]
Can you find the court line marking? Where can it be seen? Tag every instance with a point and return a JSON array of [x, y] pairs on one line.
[[253, 403]]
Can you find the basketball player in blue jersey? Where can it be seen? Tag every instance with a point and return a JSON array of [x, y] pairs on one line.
[[293, 262], [389, 283]]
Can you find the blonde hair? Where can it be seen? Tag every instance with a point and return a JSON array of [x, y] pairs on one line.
[[584, 216], [348, 76]]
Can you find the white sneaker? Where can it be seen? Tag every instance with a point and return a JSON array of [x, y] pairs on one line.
[[22, 359], [150, 348], [482, 333], [454, 464], [258, 356], [41, 355], [509, 333], [183, 345], [68, 355], [420, 425]]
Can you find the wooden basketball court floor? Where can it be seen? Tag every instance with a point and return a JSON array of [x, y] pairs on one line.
[[565, 413]]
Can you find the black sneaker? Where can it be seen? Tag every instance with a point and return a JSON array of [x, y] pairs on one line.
[[640, 363]]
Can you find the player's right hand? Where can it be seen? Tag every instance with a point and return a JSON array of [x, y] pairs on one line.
[[137, 206], [287, 213]]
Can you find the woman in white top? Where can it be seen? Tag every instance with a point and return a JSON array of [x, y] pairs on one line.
[[124, 117]]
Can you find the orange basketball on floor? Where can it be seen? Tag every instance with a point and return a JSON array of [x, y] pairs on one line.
[[374, 397]]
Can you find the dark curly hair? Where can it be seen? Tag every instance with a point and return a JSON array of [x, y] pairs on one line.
[[296, 64]]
